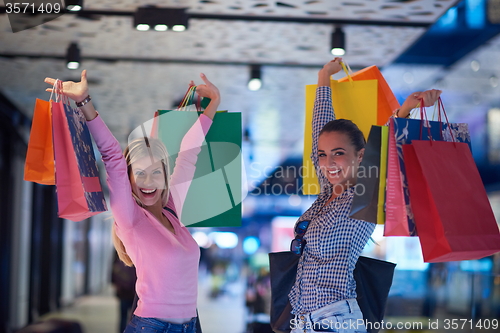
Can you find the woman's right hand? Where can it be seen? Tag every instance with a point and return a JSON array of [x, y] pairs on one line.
[[77, 91], [330, 68], [333, 66]]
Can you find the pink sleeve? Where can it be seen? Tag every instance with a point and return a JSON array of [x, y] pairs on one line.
[[185, 164], [123, 205]]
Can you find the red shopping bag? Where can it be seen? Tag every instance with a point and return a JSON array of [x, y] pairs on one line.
[[39, 164], [399, 214], [452, 212], [79, 192]]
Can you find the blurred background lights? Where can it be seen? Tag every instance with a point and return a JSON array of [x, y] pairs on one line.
[[250, 245], [494, 81], [475, 65], [294, 200], [202, 239], [224, 240], [408, 77]]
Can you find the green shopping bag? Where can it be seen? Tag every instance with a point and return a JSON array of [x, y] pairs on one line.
[[215, 195]]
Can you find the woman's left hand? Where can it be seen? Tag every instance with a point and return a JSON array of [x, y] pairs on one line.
[[429, 97], [208, 89]]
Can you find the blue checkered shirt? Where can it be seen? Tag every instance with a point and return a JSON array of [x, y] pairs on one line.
[[334, 241]]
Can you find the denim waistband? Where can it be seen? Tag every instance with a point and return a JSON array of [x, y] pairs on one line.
[[344, 306], [165, 325]]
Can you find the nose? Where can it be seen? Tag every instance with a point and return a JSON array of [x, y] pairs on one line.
[[147, 180], [330, 160]]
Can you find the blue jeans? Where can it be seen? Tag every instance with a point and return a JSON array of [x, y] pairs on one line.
[[152, 325], [341, 317]]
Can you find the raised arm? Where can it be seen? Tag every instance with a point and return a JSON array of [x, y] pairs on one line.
[[122, 203], [77, 91], [185, 164], [209, 90], [323, 110], [429, 96]]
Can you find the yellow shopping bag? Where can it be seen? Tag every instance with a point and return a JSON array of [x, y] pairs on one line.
[[356, 100], [363, 97], [383, 175]]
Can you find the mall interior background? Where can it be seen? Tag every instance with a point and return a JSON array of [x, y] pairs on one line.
[[48, 263]]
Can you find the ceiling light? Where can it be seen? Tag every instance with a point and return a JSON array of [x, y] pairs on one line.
[[142, 27], [255, 82], [161, 27], [74, 5], [178, 28], [73, 56], [161, 18], [338, 42]]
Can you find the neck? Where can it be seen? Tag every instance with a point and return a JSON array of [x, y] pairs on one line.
[[156, 209], [338, 189]]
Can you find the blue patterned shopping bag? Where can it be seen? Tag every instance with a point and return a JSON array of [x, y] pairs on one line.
[[404, 131]]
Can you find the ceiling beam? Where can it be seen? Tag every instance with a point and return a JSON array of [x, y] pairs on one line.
[[264, 18], [163, 60]]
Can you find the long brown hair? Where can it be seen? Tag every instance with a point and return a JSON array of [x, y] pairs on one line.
[[136, 150]]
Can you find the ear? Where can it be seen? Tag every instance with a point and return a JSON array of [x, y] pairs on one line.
[[361, 153]]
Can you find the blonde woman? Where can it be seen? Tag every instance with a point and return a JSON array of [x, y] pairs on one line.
[[145, 201]]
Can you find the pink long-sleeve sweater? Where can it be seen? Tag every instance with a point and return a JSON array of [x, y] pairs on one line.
[[166, 263]]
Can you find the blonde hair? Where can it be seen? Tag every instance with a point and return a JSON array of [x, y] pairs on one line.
[[138, 149]]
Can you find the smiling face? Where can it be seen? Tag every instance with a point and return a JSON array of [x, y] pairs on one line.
[[148, 180], [338, 160]]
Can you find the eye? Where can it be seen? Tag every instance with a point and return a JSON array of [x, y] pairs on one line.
[[157, 172], [321, 155], [139, 173], [339, 153]]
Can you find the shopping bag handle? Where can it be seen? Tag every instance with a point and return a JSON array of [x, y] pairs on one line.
[[59, 96], [347, 70], [423, 117], [190, 99], [54, 87], [441, 108]]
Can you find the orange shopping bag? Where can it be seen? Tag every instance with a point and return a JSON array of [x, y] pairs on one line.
[[386, 101], [39, 164]]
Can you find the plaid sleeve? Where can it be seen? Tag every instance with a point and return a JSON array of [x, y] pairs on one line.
[[322, 114]]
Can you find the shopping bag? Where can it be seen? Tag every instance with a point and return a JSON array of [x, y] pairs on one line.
[[358, 98], [399, 215], [396, 221], [365, 203], [79, 192], [39, 165], [282, 272], [363, 97], [215, 194], [386, 101], [383, 174], [452, 212], [373, 282]]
